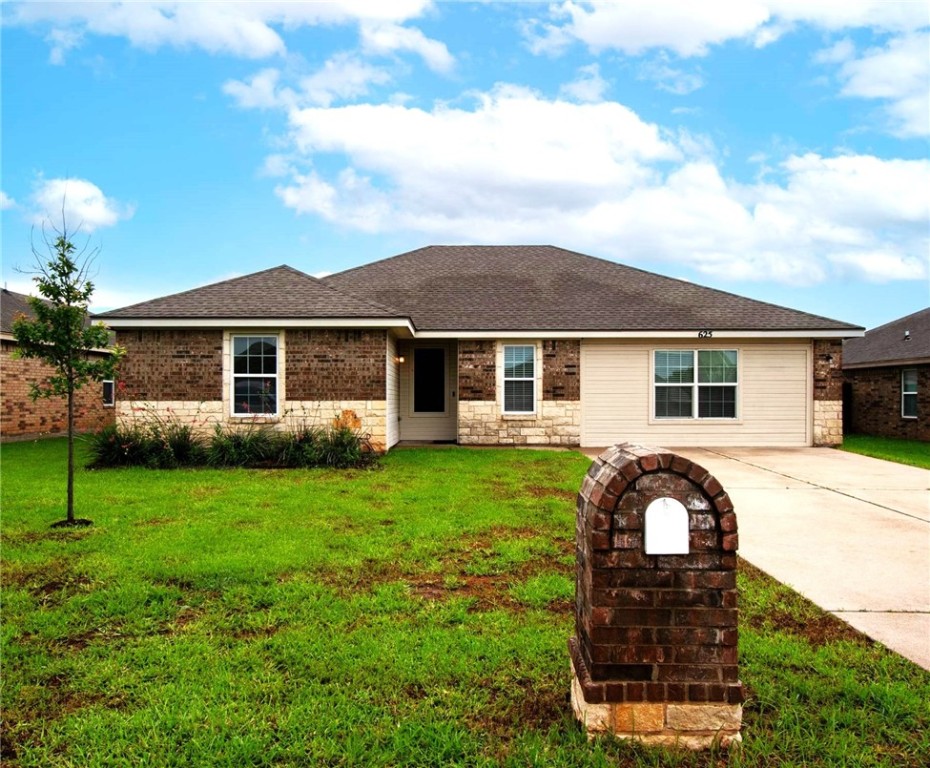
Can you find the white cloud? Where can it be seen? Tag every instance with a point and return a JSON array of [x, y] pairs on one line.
[[246, 29], [519, 168], [82, 204], [668, 78], [260, 91], [898, 74], [6, 201], [343, 77], [690, 29], [589, 86], [385, 38]]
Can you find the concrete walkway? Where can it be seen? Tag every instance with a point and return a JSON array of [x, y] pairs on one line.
[[850, 533]]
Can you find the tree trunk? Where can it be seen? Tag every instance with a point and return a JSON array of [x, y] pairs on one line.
[[71, 456]]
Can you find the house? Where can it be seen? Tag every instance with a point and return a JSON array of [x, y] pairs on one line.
[[508, 345], [20, 416], [887, 372]]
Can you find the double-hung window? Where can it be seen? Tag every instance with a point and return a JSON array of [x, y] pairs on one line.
[[520, 379], [909, 393], [109, 393], [255, 375], [695, 384]]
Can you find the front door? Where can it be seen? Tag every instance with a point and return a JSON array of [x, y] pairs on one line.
[[428, 381]]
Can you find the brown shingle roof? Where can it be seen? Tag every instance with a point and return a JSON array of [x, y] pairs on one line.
[[541, 287], [11, 305], [888, 344], [280, 292]]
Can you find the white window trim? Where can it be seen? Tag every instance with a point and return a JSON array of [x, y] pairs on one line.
[[536, 379], [695, 404], [231, 373], [906, 392], [112, 401]]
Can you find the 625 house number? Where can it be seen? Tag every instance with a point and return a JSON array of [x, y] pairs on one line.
[[705, 334]]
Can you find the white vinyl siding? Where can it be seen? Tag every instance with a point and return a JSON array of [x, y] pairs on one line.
[[392, 393], [774, 396]]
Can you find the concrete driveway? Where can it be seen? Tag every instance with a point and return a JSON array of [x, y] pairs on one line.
[[849, 532]]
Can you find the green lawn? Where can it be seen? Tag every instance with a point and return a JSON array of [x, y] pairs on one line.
[[412, 615], [912, 452]]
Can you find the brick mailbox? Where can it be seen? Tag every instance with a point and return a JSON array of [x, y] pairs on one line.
[[654, 655]]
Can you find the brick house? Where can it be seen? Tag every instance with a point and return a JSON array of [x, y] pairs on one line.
[[887, 372], [20, 417], [497, 345]]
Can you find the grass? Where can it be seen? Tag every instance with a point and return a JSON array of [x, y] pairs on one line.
[[414, 615], [912, 452]]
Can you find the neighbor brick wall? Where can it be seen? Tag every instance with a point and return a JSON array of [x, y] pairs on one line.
[[561, 367], [477, 367], [20, 417], [874, 405], [171, 365], [336, 365]]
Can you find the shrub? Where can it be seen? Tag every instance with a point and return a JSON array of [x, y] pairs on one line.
[[166, 443], [253, 446]]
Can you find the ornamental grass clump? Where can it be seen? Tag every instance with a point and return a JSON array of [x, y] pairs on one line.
[[159, 442]]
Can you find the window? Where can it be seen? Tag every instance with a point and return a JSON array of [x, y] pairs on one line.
[[109, 393], [519, 379], [909, 393], [709, 392], [255, 375]]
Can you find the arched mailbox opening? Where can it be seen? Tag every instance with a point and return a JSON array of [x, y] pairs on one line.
[[654, 654]]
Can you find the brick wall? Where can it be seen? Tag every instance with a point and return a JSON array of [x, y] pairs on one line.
[[561, 366], [873, 403], [20, 417], [336, 365], [171, 365], [477, 368]]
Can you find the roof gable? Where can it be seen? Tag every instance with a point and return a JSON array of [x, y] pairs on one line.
[[545, 288], [11, 306], [280, 292], [906, 339]]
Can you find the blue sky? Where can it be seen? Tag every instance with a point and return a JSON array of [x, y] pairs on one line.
[[775, 149]]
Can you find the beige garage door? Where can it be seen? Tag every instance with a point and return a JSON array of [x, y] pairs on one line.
[[774, 399]]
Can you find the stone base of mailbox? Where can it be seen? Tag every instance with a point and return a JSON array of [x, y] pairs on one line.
[[668, 724]]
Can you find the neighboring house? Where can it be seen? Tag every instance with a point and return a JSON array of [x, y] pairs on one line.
[[489, 345], [887, 390], [20, 416]]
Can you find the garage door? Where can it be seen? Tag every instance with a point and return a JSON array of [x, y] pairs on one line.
[[773, 398]]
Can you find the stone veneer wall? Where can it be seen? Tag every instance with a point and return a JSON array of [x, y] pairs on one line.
[[21, 417], [828, 392], [556, 423], [874, 403], [481, 420], [371, 415]]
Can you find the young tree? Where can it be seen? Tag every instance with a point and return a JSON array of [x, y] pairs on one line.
[[60, 335]]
